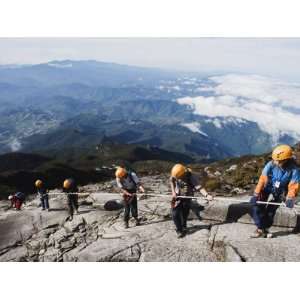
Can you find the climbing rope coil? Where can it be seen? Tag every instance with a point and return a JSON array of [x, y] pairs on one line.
[[199, 198]]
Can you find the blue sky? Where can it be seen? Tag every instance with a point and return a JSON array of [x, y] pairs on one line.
[[279, 58]]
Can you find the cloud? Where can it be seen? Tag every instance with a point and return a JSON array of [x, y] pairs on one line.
[[194, 127], [273, 104], [15, 145]]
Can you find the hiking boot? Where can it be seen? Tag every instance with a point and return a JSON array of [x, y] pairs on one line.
[[126, 225], [137, 222], [48, 209], [76, 212], [268, 234], [258, 233], [180, 234]]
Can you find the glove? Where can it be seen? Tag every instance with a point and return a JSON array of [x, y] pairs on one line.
[[290, 203], [127, 197], [209, 197], [174, 202], [254, 199]]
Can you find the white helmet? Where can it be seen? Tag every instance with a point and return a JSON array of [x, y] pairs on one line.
[[10, 197]]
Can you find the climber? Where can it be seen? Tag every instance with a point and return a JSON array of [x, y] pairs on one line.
[[17, 200], [280, 179], [128, 182], [70, 187], [43, 193], [183, 183]]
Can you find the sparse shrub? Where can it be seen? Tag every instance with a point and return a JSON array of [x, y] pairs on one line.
[[212, 184], [91, 157]]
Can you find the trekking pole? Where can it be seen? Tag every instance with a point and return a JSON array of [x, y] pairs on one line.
[[222, 199], [201, 198], [61, 193]]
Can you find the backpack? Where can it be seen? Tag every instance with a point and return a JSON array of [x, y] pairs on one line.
[[21, 196], [132, 179]]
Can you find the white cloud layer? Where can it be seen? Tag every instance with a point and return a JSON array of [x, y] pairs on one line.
[[273, 104], [194, 127]]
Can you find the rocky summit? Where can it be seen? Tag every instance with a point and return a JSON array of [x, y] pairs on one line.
[[217, 231]]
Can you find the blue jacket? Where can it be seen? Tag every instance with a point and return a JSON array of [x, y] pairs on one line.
[[275, 179]]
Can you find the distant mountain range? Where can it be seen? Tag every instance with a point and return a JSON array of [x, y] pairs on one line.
[[19, 171], [75, 104]]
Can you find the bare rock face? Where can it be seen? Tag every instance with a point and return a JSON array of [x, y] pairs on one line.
[[217, 231]]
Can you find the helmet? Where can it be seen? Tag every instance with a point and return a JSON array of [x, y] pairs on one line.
[[38, 183], [282, 152], [121, 172], [178, 171], [10, 197], [68, 183]]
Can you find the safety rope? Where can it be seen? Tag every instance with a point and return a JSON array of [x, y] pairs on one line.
[[201, 198]]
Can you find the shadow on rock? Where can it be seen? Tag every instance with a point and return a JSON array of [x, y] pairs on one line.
[[236, 211], [113, 205], [295, 230], [297, 227], [86, 211], [283, 233], [196, 208], [58, 209], [196, 228], [166, 219]]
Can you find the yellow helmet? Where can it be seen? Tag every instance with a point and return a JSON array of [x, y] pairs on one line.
[[178, 171], [121, 172], [282, 152], [39, 183], [68, 183]]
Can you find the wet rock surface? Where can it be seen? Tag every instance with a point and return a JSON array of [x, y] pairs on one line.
[[217, 231]]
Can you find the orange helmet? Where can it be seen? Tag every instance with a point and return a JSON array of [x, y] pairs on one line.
[[39, 183], [282, 152], [68, 183], [178, 171], [121, 172]]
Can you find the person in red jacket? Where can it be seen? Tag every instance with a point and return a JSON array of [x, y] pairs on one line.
[[17, 200]]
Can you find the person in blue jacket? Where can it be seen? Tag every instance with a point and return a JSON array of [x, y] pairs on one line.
[[280, 179]]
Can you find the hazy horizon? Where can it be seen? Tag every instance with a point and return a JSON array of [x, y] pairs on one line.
[[279, 58]]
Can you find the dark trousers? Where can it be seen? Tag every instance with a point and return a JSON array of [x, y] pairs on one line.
[[263, 214], [180, 214], [45, 201], [130, 205], [72, 204]]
